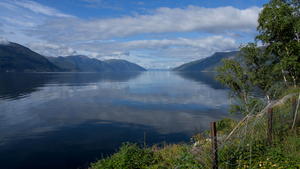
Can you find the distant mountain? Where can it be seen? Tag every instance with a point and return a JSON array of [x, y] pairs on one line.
[[63, 64], [209, 63], [83, 63], [123, 65], [86, 64], [17, 58]]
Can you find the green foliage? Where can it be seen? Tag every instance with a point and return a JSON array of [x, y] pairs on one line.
[[259, 67], [226, 124], [279, 32], [129, 156], [165, 156], [232, 74]]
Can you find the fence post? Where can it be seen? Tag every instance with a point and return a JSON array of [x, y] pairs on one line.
[[214, 145], [269, 131]]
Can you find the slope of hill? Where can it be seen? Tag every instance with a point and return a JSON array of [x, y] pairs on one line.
[[63, 64], [17, 58], [123, 65], [207, 64], [87, 64]]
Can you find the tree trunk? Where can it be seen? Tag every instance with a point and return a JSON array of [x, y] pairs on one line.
[[268, 97], [245, 99], [294, 81], [284, 77], [297, 35]]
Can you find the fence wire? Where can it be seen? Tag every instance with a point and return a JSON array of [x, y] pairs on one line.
[[243, 146]]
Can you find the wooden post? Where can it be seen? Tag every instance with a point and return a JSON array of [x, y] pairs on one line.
[[269, 131], [294, 106], [214, 145]]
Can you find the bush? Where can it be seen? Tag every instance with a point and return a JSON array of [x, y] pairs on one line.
[[129, 156]]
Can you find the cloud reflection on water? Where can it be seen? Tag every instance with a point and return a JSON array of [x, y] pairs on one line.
[[162, 100]]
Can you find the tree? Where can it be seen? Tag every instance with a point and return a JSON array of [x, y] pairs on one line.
[[259, 67], [279, 27], [232, 74], [279, 32]]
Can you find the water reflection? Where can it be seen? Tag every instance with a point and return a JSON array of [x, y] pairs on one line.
[[202, 77], [18, 85], [74, 112]]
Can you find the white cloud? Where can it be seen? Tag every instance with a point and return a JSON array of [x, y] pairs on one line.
[[4, 41], [19, 22], [160, 53], [169, 48], [162, 20], [41, 9], [219, 29], [8, 6], [47, 49], [111, 55], [138, 3], [100, 4]]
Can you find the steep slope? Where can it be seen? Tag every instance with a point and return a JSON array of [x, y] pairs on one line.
[[17, 58], [207, 64], [123, 65], [87, 64], [63, 64]]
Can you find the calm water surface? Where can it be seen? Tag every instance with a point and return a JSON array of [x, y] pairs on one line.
[[67, 120]]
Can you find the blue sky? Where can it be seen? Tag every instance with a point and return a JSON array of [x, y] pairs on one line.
[[153, 34]]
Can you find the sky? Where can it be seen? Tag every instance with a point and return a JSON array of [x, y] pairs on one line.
[[154, 34]]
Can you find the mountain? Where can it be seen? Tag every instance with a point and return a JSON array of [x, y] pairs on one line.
[[63, 64], [123, 65], [83, 63], [17, 58], [209, 63]]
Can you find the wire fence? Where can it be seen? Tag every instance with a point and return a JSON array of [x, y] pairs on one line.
[[243, 146]]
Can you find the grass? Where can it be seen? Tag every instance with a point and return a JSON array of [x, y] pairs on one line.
[[132, 156], [246, 148]]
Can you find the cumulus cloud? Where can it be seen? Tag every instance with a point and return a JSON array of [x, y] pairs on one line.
[[4, 41], [162, 20], [47, 49]]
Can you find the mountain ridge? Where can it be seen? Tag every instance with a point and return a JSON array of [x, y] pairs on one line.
[[207, 64], [124, 65], [17, 58]]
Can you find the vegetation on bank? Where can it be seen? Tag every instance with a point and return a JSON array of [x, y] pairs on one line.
[[284, 151]]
